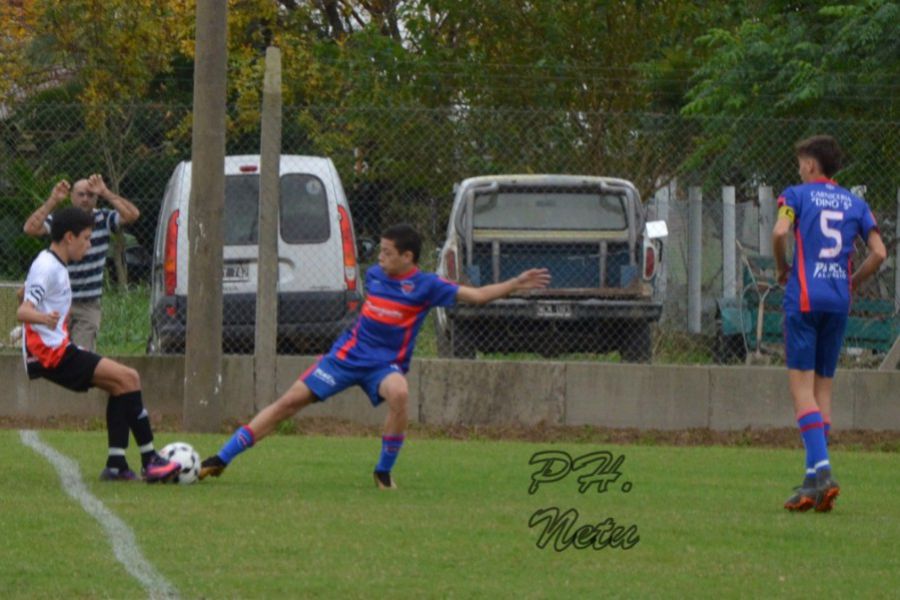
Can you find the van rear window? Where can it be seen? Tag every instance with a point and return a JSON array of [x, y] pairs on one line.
[[304, 209]]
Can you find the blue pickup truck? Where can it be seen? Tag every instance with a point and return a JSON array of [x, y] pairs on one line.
[[590, 232]]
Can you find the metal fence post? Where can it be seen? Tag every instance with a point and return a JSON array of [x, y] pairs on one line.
[[766, 219], [729, 262], [695, 257]]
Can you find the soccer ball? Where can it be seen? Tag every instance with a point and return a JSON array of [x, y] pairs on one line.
[[184, 454]]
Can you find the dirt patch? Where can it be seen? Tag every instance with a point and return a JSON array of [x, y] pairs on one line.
[[884, 441]]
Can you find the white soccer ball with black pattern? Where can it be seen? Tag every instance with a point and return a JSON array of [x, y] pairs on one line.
[[185, 455]]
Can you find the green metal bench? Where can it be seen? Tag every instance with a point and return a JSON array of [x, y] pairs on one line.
[[755, 318]]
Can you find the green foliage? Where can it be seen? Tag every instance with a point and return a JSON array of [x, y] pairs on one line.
[[834, 66], [125, 325], [24, 191]]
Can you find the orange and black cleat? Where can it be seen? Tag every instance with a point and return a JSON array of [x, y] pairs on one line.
[[803, 499], [827, 491], [212, 466]]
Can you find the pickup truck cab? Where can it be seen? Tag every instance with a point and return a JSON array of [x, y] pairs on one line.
[[590, 232]]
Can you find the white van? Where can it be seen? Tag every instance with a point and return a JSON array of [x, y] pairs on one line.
[[319, 287]]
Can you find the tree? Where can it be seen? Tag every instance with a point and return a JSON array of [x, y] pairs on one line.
[[816, 69]]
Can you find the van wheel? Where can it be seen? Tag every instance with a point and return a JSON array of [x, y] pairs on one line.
[[156, 346], [636, 343]]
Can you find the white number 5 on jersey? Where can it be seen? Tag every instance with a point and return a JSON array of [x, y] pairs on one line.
[[826, 217]]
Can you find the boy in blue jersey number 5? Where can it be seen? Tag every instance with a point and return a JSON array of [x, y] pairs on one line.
[[375, 353], [825, 219]]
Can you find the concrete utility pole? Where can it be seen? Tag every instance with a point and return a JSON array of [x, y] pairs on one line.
[[267, 267], [203, 353], [766, 219], [695, 259], [729, 247]]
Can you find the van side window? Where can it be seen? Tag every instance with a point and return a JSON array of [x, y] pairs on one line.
[[304, 209]]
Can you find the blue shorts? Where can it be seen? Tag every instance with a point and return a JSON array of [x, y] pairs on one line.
[[329, 376], [813, 340]]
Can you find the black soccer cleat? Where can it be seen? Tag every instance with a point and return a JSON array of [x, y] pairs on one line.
[[213, 465], [827, 491], [804, 497], [384, 481]]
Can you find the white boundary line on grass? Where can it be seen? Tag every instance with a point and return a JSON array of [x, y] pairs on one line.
[[120, 536]]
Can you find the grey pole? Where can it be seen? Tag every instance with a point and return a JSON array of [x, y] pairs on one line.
[[203, 352], [664, 196], [892, 358], [897, 257], [729, 248], [695, 257], [267, 266], [766, 219]]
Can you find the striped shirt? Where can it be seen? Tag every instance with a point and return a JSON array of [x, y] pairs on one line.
[[86, 275]]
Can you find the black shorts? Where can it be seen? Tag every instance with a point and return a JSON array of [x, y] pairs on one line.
[[74, 372]]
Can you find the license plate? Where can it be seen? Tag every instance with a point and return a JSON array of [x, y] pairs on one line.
[[235, 272], [555, 311]]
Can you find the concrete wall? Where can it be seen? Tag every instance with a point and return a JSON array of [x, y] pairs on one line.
[[494, 392]]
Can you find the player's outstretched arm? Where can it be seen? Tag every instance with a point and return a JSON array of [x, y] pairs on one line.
[[531, 279], [27, 313]]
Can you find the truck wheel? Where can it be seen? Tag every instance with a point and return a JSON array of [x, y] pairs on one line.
[[444, 348], [636, 345], [462, 342]]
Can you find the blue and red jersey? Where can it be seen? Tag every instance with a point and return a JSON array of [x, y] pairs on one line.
[[827, 220], [391, 316]]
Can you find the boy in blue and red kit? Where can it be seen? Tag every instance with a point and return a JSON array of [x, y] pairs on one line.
[[826, 219], [375, 353]]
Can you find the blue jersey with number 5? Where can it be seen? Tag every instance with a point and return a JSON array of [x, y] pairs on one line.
[[827, 219]]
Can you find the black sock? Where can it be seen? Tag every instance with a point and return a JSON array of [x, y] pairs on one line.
[[139, 422], [116, 434]]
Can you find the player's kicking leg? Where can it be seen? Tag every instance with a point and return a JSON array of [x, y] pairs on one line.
[[264, 423], [395, 390]]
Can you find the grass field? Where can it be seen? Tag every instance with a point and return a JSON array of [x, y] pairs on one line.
[[298, 517]]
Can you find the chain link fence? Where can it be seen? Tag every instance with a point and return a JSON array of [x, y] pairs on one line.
[[380, 166]]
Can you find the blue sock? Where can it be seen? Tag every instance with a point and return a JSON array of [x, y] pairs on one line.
[[242, 439], [813, 431], [390, 448]]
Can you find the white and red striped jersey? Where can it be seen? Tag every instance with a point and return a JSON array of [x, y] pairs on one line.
[[47, 288]]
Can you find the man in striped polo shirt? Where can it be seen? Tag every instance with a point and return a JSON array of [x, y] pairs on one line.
[[86, 275]]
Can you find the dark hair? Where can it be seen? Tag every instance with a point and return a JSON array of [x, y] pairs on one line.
[[68, 219], [405, 238], [824, 149]]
